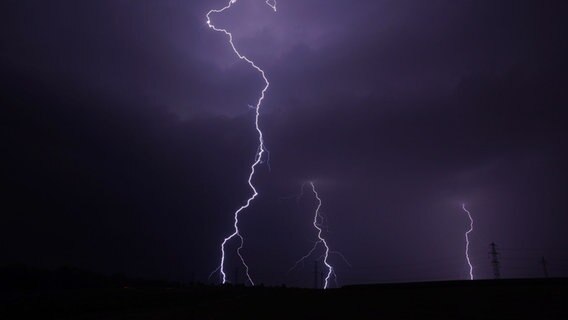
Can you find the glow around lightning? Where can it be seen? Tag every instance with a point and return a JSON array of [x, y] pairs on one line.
[[321, 240], [467, 242], [260, 151]]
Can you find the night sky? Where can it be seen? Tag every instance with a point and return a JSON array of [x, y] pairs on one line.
[[127, 136]]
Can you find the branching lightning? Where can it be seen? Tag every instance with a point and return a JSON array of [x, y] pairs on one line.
[[467, 242], [321, 240], [260, 151]]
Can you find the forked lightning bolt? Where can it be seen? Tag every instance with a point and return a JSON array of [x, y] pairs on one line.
[[321, 239], [467, 241], [260, 151]]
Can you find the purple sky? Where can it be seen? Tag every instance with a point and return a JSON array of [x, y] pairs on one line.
[[127, 136]]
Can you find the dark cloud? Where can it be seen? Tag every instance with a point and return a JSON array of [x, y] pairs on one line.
[[127, 137]]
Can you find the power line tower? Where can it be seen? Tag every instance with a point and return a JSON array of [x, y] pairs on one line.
[[495, 261], [544, 267]]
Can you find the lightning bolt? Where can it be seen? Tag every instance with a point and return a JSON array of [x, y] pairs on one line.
[[467, 241], [260, 151], [321, 240]]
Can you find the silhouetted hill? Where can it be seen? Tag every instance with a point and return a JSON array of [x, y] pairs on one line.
[[83, 295]]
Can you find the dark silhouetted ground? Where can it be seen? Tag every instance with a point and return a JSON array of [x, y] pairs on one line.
[[115, 298]]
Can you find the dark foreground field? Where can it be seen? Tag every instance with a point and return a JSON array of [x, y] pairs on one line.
[[504, 299]]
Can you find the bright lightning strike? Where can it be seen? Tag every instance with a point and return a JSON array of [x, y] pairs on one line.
[[260, 151], [467, 242], [321, 240], [271, 4]]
